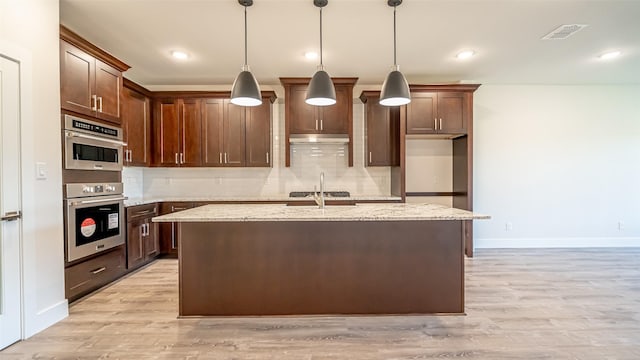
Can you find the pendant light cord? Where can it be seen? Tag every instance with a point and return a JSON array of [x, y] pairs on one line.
[[321, 37], [245, 37], [394, 37]]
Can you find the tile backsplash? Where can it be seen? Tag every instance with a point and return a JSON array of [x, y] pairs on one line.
[[307, 161]]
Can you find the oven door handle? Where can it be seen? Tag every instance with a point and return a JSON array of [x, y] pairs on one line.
[[80, 202], [68, 133]]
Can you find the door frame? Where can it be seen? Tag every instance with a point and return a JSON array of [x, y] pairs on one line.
[[23, 58]]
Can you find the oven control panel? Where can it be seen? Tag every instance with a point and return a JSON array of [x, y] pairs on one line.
[[94, 189]]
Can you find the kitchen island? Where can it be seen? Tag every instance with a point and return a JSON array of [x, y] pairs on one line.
[[257, 259]]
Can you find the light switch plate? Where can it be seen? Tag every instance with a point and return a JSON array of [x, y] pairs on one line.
[[41, 171]]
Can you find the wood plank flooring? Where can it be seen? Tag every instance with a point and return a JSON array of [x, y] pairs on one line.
[[521, 304]]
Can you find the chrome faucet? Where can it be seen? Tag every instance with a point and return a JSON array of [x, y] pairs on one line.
[[320, 198]]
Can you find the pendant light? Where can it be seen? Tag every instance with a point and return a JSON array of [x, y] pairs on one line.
[[395, 89], [245, 90], [321, 91]]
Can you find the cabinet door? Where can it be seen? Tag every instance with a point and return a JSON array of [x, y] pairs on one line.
[[233, 134], [452, 109], [191, 133], [258, 135], [304, 117], [151, 241], [77, 80], [422, 113], [135, 243], [167, 130], [212, 129], [382, 134], [136, 123], [108, 84], [169, 231], [334, 119]]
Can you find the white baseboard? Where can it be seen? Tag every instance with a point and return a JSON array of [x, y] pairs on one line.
[[518, 243], [45, 318]]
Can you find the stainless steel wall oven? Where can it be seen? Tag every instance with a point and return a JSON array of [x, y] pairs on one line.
[[94, 215]]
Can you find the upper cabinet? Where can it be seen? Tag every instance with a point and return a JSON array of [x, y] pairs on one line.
[[235, 136], [205, 129], [177, 132], [90, 78], [136, 125], [438, 112], [381, 131], [304, 119]]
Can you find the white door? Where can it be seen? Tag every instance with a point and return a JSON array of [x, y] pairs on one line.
[[10, 205]]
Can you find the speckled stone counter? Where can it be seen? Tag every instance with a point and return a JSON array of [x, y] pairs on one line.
[[274, 259], [281, 212], [266, 199]]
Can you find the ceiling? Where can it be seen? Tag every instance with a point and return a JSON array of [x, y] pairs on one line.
[[358, 39]]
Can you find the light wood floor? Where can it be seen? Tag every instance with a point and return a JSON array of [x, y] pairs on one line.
[[521, 304]]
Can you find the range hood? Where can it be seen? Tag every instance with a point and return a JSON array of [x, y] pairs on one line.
[[318, 139]]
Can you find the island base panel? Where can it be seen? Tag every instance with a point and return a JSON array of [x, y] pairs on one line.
[[304, 268]]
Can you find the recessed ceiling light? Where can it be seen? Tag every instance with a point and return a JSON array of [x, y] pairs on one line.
[[179, 55], [465, 54], [610, 55], [311, 55]]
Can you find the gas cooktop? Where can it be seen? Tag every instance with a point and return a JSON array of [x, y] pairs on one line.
[[304, 194]]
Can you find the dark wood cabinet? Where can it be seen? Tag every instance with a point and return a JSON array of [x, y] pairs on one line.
[[87, 276], [309, 119], [136, 127], [90, 78], [169, 231], [142, 235], [258, 135], [177, 132], [236, 136], [382, 131], [304, 119], [432, 112]]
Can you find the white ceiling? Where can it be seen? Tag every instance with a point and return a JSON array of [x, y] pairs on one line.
[[358, 39]]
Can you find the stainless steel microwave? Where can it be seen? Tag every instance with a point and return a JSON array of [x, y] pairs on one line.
[[89, 145]]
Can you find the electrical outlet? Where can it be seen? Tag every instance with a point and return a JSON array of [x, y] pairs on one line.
[[508, 226], [620, 226]]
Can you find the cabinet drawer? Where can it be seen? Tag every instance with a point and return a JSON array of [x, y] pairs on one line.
[[142, 211], [87, 276]]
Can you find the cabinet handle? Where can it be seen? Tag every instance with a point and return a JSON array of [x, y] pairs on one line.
[[147, 226], [267, 157], [94, 102], [182, 159], [142, 230], [440, 123], [316, 124], [130, 155], [369, 157], [225, 158], [100, 101], [321, 123], [173, 236], [176, 158], [435, 124], [220, 158], [98, 271]]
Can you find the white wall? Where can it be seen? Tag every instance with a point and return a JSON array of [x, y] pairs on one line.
[[307, 161], [29, 33], [557, 166]]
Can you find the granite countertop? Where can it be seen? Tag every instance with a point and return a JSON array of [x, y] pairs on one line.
[[283, 198], [282, 212]]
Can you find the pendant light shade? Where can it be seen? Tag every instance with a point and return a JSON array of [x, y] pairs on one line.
[[395, 89], [321, 91], [245, 90]]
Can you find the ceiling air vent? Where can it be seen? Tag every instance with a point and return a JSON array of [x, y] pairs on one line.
[[563, 32]]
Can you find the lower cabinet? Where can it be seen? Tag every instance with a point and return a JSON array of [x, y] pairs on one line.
[[142, 235], [169, 231], [87, 276]]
